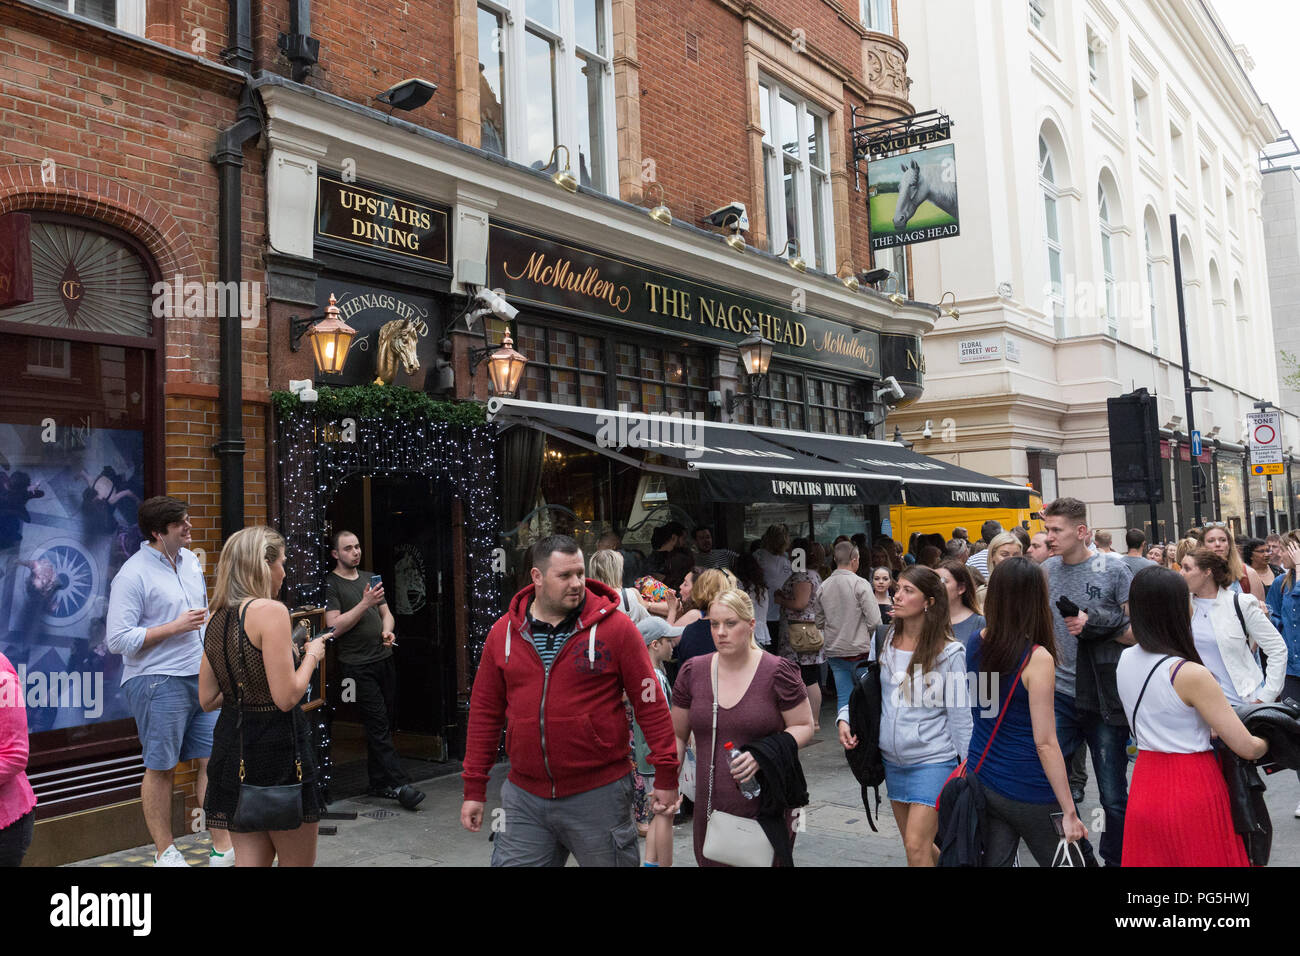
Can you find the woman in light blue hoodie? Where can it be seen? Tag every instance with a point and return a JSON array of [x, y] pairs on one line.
[[925, 719]]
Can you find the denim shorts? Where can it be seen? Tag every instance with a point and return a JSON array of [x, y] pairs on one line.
[[918, 783], [172, 726]]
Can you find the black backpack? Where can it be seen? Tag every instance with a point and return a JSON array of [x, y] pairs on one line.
[[865, 759]]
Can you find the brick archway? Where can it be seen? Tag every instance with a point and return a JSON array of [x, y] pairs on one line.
[[94, 197], [113, 203]]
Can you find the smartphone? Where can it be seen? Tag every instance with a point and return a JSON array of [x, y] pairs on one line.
[[376, 581], [1058, 822], [326, 635]]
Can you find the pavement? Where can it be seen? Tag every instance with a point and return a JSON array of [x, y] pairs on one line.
[[836, 831]]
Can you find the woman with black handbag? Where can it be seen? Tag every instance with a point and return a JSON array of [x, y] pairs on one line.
[[262, 774], [1178, 811], [1023, 773]]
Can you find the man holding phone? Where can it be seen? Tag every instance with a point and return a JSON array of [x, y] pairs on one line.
[[1089, 595], [363, 629]]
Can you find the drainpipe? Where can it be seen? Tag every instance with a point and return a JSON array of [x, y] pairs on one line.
[[299, 47], [229, 160], [240, 52]]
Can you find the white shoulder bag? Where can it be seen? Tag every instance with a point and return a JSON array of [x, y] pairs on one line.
[[729, 839]]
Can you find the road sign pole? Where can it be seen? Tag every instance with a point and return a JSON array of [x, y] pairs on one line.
[[1272, 513]]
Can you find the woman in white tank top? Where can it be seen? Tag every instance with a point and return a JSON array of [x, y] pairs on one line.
[[1178, 812]]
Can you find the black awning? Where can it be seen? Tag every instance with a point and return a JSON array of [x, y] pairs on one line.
[[746, 464]]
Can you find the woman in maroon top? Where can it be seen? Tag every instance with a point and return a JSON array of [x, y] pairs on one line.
[[758, 695]]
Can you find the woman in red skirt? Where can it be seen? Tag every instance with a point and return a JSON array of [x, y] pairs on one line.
[[1178, 813]]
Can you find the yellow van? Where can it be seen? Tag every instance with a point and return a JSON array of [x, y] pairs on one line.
[[904, 521]]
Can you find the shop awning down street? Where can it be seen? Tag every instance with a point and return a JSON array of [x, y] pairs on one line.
[[747, 464]]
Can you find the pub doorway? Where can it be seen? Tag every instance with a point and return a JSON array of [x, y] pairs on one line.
[[404, 527]]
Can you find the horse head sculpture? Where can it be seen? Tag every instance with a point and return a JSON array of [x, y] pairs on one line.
[[397, 344]]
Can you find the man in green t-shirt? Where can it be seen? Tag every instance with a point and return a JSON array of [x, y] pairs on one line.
[[363, 628]]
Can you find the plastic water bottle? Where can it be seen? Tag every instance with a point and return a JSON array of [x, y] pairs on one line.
[[749, 788]]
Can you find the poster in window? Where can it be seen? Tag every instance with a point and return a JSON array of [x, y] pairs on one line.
[[913, 197], [68, 500]]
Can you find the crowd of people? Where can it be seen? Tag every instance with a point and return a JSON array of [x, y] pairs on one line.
[[742, 646], [639, 691]]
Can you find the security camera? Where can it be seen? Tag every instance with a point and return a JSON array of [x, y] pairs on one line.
[[720, 217], [302, 388], [889, 388], [925, 432], [494, 301]]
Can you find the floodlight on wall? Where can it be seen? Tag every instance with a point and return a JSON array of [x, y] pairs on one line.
[[951, 311], [660, 213], [796, 261], [563, 178], [735, 239], [850, 278], [895, 296], [408, 95]]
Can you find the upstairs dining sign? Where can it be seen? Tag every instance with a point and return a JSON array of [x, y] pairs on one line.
[[532, 268]]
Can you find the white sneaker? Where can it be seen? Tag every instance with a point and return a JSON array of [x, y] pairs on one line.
[[217, 858], [1297, 812], [170, 857]]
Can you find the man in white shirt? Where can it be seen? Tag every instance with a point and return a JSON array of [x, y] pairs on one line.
[[157, 606], [988, 530]]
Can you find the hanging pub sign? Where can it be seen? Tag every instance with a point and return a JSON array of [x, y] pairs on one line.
[[369, 220], [913, 198], [397, 333], [539, 269]]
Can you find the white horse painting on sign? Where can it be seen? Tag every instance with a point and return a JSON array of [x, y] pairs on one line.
[[920, 183], [914, 196]]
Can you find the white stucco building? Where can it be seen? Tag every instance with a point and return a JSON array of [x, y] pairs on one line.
[[1080, 127]]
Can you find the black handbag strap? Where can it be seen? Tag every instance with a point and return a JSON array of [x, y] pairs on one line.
[[1236, 604], [239, 696], [1133, 723]]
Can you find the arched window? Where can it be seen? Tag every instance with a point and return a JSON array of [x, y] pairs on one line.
[[1109, 306], [1217, 351], [1191, 289], [1052, 233], [1151, 242]]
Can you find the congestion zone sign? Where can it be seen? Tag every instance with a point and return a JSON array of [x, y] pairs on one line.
[[1265, 443]]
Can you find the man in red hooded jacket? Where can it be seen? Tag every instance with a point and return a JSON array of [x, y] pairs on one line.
[[554, 669]]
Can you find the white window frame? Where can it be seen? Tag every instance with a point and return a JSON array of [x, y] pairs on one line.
[[516, 25], [1152, 305], [1038, 15], [774, 167], [1051, 192], [1107, 263], [1142, 121], [60, 351], [1098, 62], [130, 14], [1178, 152], [877, 15]]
